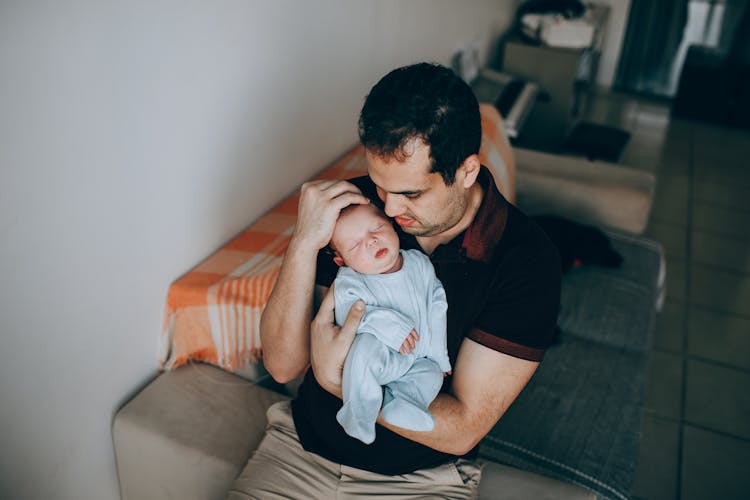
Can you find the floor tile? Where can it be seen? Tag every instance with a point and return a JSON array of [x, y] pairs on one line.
[[711, 137], [679, 129], [664, 385], [676, 279], [669, 333], [714, 466], [642, 157], [671, 200], [725, 158], [724, 195], [719, 289], [719, 337], [720, 251], [717, 398], [658, 464], [720, 220], [711, 170], [613, 111], [674, 162], [654, 118], [672, 237]]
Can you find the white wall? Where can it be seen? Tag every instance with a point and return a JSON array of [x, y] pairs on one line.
[[137, 137], [617, 24]]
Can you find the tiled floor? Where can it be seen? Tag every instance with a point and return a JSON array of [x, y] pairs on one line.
[[695, 440]]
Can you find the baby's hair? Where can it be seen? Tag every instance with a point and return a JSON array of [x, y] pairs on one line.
[[329, 250]]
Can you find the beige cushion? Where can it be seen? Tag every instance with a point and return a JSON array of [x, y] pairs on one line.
[[596, 193], [189, 433], [508, 483]]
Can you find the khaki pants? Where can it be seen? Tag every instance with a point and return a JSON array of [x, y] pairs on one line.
[[281, 468]]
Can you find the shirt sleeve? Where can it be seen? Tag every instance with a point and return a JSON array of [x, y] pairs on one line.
[[520, 315]]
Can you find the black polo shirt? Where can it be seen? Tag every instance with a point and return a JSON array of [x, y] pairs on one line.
[[502, 282]]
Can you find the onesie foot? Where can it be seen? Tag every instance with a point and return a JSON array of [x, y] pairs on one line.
[[356, 427]]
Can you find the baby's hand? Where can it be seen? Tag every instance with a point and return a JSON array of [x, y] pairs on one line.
[[409, 343]]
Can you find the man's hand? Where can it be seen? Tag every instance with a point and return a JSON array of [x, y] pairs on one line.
[[410, 342], [329, 344], [319, 207]]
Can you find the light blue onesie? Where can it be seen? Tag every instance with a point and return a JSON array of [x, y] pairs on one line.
[[395, 303]]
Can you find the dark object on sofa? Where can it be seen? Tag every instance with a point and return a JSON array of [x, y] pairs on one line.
[[596, 142], [578, 244]]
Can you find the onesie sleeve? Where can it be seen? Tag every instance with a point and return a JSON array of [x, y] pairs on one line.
[[387, 325]]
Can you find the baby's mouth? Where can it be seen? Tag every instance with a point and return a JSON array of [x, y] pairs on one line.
[[381, 253]]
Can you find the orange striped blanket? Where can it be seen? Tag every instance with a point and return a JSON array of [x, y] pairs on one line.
[[213, 311]]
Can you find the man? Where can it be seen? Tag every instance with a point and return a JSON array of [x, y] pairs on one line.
[[420, 126]]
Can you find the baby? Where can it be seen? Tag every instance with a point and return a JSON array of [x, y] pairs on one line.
[[403, 300]]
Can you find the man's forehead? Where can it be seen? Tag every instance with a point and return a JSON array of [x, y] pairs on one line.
[[413, 174]]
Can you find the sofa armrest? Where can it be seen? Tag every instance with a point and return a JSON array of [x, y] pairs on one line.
[[188, 434], [589, 192]]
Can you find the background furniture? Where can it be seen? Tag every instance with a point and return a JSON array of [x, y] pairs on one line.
[[560, 73]]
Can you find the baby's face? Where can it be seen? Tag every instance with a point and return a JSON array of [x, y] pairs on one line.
[[365, 240]]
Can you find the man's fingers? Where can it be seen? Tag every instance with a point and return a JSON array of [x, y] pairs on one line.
[[325, 312], [349, 198], [349, 328], [336, 187]]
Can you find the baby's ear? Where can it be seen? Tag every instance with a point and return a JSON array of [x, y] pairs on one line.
[[338, 260]]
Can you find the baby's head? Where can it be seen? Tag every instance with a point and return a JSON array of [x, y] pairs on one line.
[[364, 239]]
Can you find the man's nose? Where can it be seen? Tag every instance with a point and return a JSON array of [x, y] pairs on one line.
[[392, 206]]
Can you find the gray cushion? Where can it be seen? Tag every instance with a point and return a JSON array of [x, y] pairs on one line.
[[614, 306], [579, 417]]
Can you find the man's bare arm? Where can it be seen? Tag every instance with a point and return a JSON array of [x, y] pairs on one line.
[[285, 323], [485, 383]]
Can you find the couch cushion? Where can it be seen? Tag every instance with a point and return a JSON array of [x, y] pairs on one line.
[[615, 306], [188, 434], [578, 419], [509, 483], [580, 416]]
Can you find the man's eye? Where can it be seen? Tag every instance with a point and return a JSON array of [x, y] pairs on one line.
[[413, 196]]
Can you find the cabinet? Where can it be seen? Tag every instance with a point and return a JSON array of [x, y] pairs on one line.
[[563, 75]]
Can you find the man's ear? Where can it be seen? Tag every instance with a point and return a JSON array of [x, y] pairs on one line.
[[338, 260], [468, 172]]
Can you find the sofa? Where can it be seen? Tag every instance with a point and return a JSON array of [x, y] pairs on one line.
[[572, 433]]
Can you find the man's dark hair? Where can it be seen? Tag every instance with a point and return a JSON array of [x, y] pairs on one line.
[[427, 102]]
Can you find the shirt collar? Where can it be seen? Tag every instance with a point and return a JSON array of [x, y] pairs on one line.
[[478, 241], [486, 230]]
